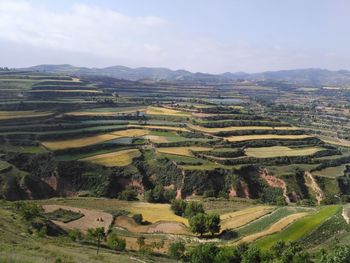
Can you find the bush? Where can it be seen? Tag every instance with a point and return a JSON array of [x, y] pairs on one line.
[[177, 250], [178, 207], [116, 243], [75, 235], [138, 218], [128, 194], [204, 253]]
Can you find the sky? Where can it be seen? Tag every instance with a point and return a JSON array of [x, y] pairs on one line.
[[212, 36]]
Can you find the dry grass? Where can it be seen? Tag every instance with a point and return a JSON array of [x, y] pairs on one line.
[[120, 158], [276, 151], [243, 217], [80, 142], [240, 128], [165, 111], [8, 115], [185, 151], [276, 227], [265, 137]]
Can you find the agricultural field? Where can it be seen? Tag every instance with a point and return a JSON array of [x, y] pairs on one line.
[[11, 115], [120, 158], [276, 151], [185, 151], [126, 151]]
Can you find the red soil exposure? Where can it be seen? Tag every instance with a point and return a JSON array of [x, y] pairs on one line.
[[273, 181]]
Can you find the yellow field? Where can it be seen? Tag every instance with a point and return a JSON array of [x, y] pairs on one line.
[[240, 128], [186, 151], [156, 138], [165, 111], [276, 151], [90, 140], [80, 142], [265, 137], [335, 142], [168, 128], [8, 115], [276, 227], [120, 158], [243, 217], [154, 212], [131, 133]]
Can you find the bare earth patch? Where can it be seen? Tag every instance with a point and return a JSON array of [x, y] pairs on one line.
[[91, 218], [167, 227]]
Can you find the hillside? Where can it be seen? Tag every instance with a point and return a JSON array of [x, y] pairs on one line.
[[313, 77]]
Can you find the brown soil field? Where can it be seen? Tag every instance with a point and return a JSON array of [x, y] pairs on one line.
[[89, 220]]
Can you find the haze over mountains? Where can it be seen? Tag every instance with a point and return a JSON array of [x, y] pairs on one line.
[[312, 76]]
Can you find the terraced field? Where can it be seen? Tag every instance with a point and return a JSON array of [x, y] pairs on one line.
[[185, 151], [276, 151], [266, 137], [79, 142], [10, 115], [300, 228], [120, 158]]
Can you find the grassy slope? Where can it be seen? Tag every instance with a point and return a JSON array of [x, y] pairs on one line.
[[17, 246], [301, 227]]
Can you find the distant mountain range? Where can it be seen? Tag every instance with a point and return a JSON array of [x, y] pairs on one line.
[[314, 76]]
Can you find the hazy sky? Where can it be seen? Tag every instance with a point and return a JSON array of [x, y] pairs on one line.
[[199, 35]]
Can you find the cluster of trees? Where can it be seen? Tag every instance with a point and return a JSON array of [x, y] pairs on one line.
[[129, 193], [199, 221], [159, 195], [281, 252]]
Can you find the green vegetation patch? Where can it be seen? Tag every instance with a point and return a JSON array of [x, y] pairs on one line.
[[300, 228], [63, 215]]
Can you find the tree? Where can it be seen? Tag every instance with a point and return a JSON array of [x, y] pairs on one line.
[[213, 223], [204, 253], [177, 250], [97, 234], [193, 208], [116, 243], [198, 223], [178, 207], [251, 255]]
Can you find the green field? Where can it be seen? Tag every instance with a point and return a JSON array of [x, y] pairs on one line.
[[300, 228]]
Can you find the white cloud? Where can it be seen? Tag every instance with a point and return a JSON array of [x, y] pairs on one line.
[[107, 37]]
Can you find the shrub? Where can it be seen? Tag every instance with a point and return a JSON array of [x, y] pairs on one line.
[[178, 207], [128, 194], [138, 218], [116, 243], [176, 250], [75, 235]]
